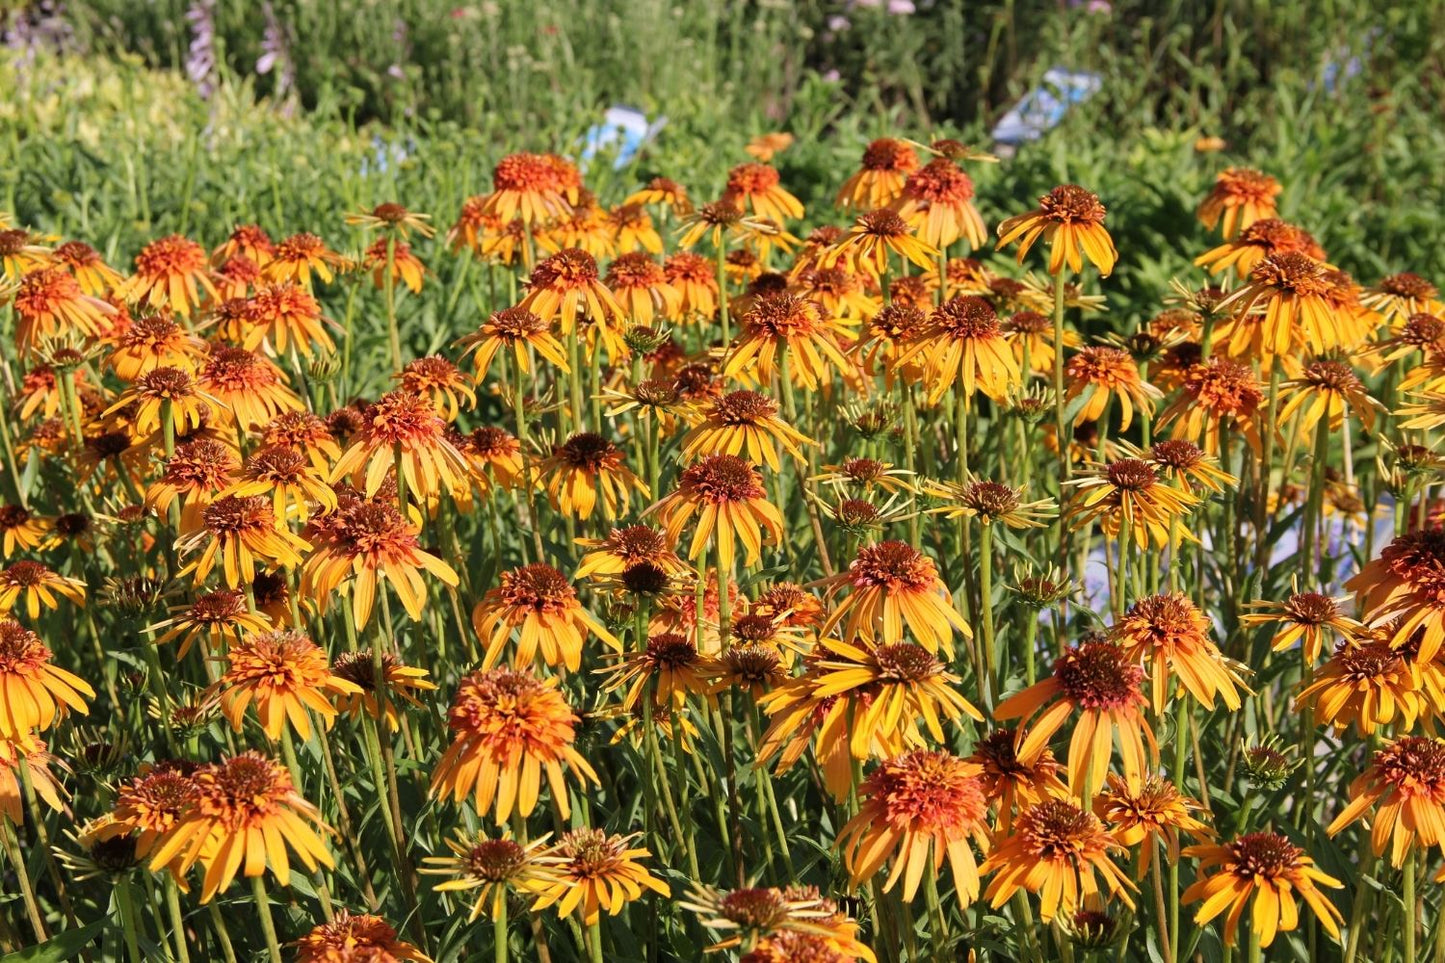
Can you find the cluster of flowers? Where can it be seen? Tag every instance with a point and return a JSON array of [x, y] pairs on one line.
[[671, 414]]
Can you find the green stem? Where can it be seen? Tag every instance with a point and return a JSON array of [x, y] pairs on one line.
[[1408, 896], [129, 924], [268, 925], [1065, 466], [223, 935], [499, 931], [389, 285]]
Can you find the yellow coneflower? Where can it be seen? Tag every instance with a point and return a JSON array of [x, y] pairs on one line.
[[540, 604], [841, 292], [37, 585], [197, 474], [41, 391], [288, 476], [402, 433], [394, 218], [626, 547], [785, 329], [250, 389], [30, 752], [669, 666], [1402, 295], [517, 329], [1168, 633], [724, 494], [215, 618], [1262, 239], [1401, 589], [743, 423], [246, 240], [1071, 220], [34, 692], [1326, 389], [661, 190], [84, 262], [586, 471], [1060, 851], [1269, 870], [239, 533], [879, 180], [1128, 491], [154, 341], [1100, 375], [172, 272], [989, 502], [1367, 685], [937, 200], [1240, 197], [920, 810], [236, 279], [1291, 291], [244, 814], [509, 729], [1155, 810], [755, 187], [1405, 786], [21, 529], [355, 937], [596, 871], [528, 187], [298, 256], [169, 393], [1217, 392], [566, 287], [378, 697], [895, 586], [765, 146], [963, 345], [149, 805], [284, 674], [285, 315], [497, 454], [640, 285], [1031, 335], [755, 915], [438, 380], [1101, 682], [1185, 464], [632, 231], [49, 303], [493, 868], [406, 267], [1013, 784], [1307, 618], [694, 277], [872, 238]]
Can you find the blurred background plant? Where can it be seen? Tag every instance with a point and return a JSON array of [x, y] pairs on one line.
[[125, 119]]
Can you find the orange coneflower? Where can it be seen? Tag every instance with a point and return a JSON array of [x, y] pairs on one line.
[[895, 586], [1071, 220], [937, 200], [172, 272], [539, 602], [438, 380], [919, 809], [289, 477], [755, 187], [1269, 869], [42, 392], [1261, 239], [149, 805], [21, 252], [517, 329], [240, 532], [764, 146], [725, 495], [641, 287], [587, 470], [1405, 583], [284, 674], [298, 256], [1155, 810], [841, 292], [403, 434], [1291, 291], [669, 667], [247, 240], [1013, 784], [743, 423], [49, 303], [1185, 464], [1399, 296], [626, 547], [305, 432], [963, 345], [34, 692], [250, 388], [394, 218], [236, 279], [197, 474], [528, 186], [154, 341], [694, 277], [566, 287], [989, 502], [1058, 850], [889, 336], [595, 872], [497, 455], [661, 190], [21, 529], [245, 813], [495, 868], [1405, 784], [1169, 633], [1326, 389], [169, 393], [1307, 618], [1101, 374], [37, 585], [872, 238], [1218, 392], [30, 752], [1032, 336], [216, 618], [1420, 336], [632, 230], [374, 697], [405, 266], [1366, 684], [788, 329], [750, 917], [1101, 682], [509, 728], [879, 180], [283, 315], [362, 543], [1240, 197], [353, 938], [1128, 491]]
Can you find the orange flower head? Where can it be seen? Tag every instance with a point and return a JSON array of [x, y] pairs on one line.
[[355, 938], [1270, 870], [508, 728], [1156, 810], [964, 345], [626, 547], [215, 618], [1010, 782], [540, 601], [285, 674], [439, 380], [403, 433], [874, 235], [894, 585], [885, 165], [1240, 197], [283, 315], [786, 322], [37, 585], [154, 341], [1405, 785], [172, 272], [1104, 374], [250, 387], [1059, 850], [1168, 632], [529, 186], [1219, 389], [597, 871], [1368, 684], [1071, 220], [89, 268], [49, 303], [197, 474], [34, 693], [149, 805], [587, 469], [299, 255], [725, 494], [938, 200], [240, 533], [756, 186], [1404, 589]]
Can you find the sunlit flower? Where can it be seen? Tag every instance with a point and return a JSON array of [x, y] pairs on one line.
[[243, 535], [215, 619], [1185, 464], [724, 494], [743, 423], [538, 602], [34, 692], [879, 180], [1217, 392], [1366, 685], [172, 272], [286, 315], [1262, 239], [530, 187], [1307, 618], [245, 812], [246, 240], [788, 330], [509, 728], [1032, 336], [694, 277], [1059, 851], [49, 303], [1290, 290], [21, 252], [197, 474], [626, 547], [405, 266], [1406, 583], [21, 529], [36, 585], [895, 586], [1268, 869], [875, 236], [937, 200], [497, 455], [514, 331], [1011, 783], [1169, 634], [661, 190], [1101, 375], [964, 346], [1071, 220], [30, 752], [755, 187], [403, 433], [989, 502], [749, 918], [1157, 810], [298, 256], [1240, 197], [154, 341], [284, 674], [587, 470], [566, 287], [493, 868], [1129, 492], [149, 805], [1101, 683], [355, 938], [919, 809], [161, 398], [249, 387], [595, 872]]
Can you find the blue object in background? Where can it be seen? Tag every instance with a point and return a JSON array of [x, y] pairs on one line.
[[1042, 108], [624, 128]]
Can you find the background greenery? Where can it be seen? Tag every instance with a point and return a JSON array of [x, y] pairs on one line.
[[106, 138]]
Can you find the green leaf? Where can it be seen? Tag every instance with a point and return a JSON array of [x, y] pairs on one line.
[[62, 947]]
